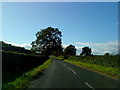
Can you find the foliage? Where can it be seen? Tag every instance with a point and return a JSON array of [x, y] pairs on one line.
[[16, 64], [112, 71], [9, 47], [86, 51], [103, 60], [23, 81], [70, 50], [48, 42], [107, 54], [59, 57]]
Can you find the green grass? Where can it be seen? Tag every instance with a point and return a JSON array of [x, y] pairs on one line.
[[111, 71], [23, 81], [59, 57]]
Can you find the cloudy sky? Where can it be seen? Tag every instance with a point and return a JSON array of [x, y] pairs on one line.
[[92, 24]]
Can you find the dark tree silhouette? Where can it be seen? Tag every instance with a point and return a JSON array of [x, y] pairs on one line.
[[70, 50], [8, 47], [86, 51], [48, 42], [107, 54]]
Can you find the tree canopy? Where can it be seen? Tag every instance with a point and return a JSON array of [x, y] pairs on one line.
[[48, 41], [107, 54], [86, 51], [70, 50]]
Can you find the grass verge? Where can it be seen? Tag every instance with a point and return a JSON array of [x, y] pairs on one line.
[[59, 57], [106, 70], [23, 81]]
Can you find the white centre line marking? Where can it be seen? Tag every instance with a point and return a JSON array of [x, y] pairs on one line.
[[61, 62], [64, 65], [72, 70], [89, 86]]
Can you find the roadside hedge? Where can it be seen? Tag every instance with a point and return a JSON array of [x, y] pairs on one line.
[[18, 63], [15, 62], [103, 60]]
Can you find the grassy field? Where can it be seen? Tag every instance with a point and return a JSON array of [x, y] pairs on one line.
[[105, 64], [23, 81]]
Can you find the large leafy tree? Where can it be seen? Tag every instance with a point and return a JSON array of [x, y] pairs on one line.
[[48, 41], [70, 50], [86, 51]]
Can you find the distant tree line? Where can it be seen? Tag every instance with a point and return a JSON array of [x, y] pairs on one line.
[[48, 42], [9, 47]]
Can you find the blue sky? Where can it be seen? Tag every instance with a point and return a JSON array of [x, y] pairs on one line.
[[93, 24]]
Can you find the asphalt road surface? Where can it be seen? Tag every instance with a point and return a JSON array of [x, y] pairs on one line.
[[65, 75]]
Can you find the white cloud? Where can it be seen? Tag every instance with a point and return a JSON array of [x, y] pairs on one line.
[[64, 46], [101, 48], [79, 50], [25, 45]]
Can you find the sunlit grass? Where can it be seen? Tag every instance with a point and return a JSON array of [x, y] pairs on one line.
[[23, 81], [112, 71], [60, 57]]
